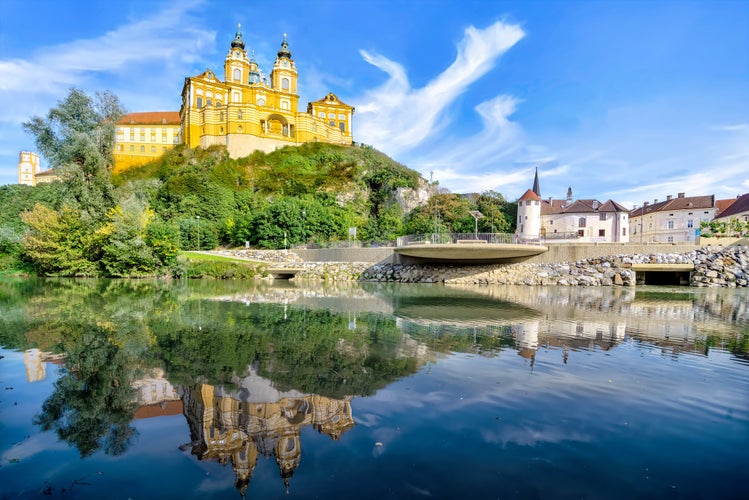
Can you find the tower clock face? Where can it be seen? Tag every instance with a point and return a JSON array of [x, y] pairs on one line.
[[236, 53], [285, 64]]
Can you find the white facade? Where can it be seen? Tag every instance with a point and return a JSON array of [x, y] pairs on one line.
[[676, 220], [529, 216], [588, 226]]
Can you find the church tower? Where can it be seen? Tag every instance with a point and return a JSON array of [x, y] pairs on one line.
[[284, 78], [236, 65]]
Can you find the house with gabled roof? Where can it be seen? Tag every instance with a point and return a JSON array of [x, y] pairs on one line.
[[674, 220], [736, 211], [586, 220]]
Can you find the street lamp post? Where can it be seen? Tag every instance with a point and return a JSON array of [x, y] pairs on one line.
[[476, 216], [198, 217]]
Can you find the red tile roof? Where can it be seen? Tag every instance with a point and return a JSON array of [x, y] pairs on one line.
[[740, 205], [529, 195], [151, 118], [681, 202], [721, 205]]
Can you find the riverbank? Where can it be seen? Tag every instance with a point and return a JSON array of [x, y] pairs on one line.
[[713, 266]]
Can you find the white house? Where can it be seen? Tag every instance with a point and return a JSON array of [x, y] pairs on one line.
[[675, 220], [567, 220]]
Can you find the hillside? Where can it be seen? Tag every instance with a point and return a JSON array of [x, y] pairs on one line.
[[312, 192]]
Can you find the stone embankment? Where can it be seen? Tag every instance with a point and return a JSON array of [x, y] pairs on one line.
[[727, 267], [714, 266], [305, 270]]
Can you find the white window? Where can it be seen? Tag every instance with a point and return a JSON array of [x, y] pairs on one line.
[[670, 224], [602, 216], [331, 115], [285, 105], [321, 114], [261, 102], [284, 84], [670, 239], [237, 74], [341, 117], [690, 223]]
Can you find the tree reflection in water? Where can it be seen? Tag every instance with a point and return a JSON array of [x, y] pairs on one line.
[[92, 404]]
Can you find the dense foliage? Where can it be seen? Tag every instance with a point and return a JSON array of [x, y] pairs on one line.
[[133, 224]]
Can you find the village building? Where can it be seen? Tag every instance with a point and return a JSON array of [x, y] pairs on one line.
[[585, 220], [737, 211], [674, 220]]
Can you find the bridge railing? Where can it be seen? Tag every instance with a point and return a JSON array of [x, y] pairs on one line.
[[463, 238]]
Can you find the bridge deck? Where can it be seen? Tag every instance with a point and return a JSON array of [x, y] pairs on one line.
[[468, 252], [663, 267]]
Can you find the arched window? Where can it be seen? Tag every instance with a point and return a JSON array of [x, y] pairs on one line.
[[200, 102], [208, 102], [237, 74], [221, 116], [284, 84], [581, 222], [342, 126], [239, 114], [261, 102], [284, 104]]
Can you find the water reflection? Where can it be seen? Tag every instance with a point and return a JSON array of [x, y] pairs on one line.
[[249, 366]]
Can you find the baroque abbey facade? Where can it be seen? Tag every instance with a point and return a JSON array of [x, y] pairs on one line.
[[247, 111]]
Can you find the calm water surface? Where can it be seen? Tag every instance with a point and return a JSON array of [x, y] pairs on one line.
[[123, 389]]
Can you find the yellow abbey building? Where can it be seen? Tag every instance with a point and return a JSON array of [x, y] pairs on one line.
[[143, 137], [247, 111]]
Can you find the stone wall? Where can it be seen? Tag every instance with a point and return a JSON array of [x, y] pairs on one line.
[[727, 267], [714, 266]]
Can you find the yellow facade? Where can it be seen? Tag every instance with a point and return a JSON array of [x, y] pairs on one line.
[[247, 111], [228, 430], [30, 170], [28, 167], [143, 137]]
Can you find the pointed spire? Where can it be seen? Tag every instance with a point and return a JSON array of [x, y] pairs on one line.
[[284, 52], [536, 188]]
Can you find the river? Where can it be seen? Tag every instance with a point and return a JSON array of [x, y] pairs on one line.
[[228, 389]]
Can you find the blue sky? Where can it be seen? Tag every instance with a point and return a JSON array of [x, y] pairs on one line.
[[628, 100]]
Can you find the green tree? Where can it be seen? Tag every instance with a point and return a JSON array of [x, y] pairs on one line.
[[126, 251], [448, 212], [77, 138], [92, 404], [59, 243], [499, 214]]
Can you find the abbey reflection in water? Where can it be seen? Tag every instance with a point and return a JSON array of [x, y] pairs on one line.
[[250, 367]]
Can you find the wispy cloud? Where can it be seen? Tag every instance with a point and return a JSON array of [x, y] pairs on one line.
[[396, 117], [169, 35], [738, 127]]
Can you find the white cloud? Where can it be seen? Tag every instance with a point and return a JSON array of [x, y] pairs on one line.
[[738, 127], [157, 41], [395, 117]]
